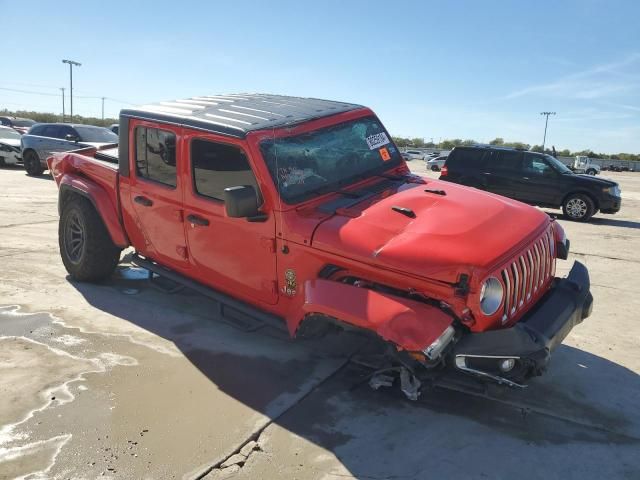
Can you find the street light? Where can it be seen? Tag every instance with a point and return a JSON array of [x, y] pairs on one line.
[[62, 90], [71, 65], [546, 121]]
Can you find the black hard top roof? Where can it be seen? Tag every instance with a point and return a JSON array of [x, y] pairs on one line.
[[238, 114]]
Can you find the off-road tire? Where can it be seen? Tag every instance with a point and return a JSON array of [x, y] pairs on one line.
[[86, 248], [32, 163], [578, 207]]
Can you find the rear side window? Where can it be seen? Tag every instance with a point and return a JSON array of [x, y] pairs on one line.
[[36, 130], [510, 161], [216, 166], [51, 131], [466, 158], [156, 155]]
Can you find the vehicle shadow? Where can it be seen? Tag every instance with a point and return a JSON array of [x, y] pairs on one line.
[[613, 222], [379, 434]]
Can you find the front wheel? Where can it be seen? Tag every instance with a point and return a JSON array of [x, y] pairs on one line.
[[578, 207], [86, 248], [32, 163]]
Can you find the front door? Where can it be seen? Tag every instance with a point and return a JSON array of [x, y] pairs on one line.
[[539, 182], [156, 192], [229, 254]]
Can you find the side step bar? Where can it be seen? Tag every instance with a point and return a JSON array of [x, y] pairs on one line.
[[223, 300]]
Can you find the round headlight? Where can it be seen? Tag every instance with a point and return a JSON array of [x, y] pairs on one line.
[[491, 296]]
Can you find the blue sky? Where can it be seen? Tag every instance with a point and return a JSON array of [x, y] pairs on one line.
[[438, 69]]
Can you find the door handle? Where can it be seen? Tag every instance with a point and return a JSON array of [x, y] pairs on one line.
[[144, 201], [526, 178], [486, 173], [196, 220]]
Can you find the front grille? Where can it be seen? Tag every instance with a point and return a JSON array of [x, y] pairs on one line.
[[524, 276]]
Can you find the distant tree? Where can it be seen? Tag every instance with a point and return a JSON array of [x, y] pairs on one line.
[[52, 117], [469, 142], [497, 141], [430, 145], [417, 142], [537, 148], [447, 144], [520, 145], [564, 153]]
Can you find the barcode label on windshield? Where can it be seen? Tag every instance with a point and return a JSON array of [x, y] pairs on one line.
[[377, 140]]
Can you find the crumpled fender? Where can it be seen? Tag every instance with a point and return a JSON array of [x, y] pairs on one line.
[[102, 203], [409, 324]]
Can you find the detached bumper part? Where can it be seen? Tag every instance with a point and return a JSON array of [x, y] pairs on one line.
[[512, 355]]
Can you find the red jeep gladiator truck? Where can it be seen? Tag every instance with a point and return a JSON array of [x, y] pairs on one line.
[[303, 211]]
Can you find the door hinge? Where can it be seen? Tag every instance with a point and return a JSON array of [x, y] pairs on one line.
[[269, 244]]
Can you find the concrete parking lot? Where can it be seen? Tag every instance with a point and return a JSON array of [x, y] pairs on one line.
[[125, 380]]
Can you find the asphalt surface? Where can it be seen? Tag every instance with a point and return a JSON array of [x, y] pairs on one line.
[[125, 380]]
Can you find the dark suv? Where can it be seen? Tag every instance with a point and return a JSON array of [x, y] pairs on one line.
[[532, 178]]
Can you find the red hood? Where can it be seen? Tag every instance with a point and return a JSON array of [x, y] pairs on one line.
[[450, 234]]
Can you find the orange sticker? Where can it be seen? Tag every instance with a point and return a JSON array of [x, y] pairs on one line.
[[384, 153]]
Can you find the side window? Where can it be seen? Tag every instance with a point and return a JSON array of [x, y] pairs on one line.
[[156, 155], [4, 121], [509, 161], [216, 166], [37, 130], [50, 131], [64, 130], [467, 158], [535, 165]]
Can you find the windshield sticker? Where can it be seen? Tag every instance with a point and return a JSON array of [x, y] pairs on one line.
[[294, 176], [378, 140], [384, 153]]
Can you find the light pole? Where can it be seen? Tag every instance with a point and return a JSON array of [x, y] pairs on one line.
[[546, 121], [102, 109], [62, 90], [71, 65]]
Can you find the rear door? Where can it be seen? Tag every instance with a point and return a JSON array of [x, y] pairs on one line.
[[156, 192], [502, 172], [230, 254], [466, 166]]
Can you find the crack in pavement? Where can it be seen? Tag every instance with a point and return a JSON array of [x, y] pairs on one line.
[[606, 257], [254, 437], [542, 411], [28, 223]]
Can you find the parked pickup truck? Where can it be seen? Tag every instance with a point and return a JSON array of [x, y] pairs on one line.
[[302, 211]]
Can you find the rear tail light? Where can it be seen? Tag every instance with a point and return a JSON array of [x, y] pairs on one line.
[[444, 171]]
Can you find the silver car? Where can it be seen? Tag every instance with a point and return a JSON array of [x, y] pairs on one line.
[[437, 163], [43, 139], [9, 146]]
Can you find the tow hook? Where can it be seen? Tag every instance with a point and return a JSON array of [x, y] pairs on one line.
[[409, 383]]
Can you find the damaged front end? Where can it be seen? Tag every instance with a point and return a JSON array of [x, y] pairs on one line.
[[506, 356]]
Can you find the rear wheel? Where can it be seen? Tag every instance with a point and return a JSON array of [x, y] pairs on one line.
[[86, 248], [32, 163], [591, 171], [578, 207]]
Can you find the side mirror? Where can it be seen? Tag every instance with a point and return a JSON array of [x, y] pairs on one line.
[[71, 137], [242, 202]]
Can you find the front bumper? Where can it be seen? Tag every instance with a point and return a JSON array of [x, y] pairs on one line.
[[528, 343], [610, 204]]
